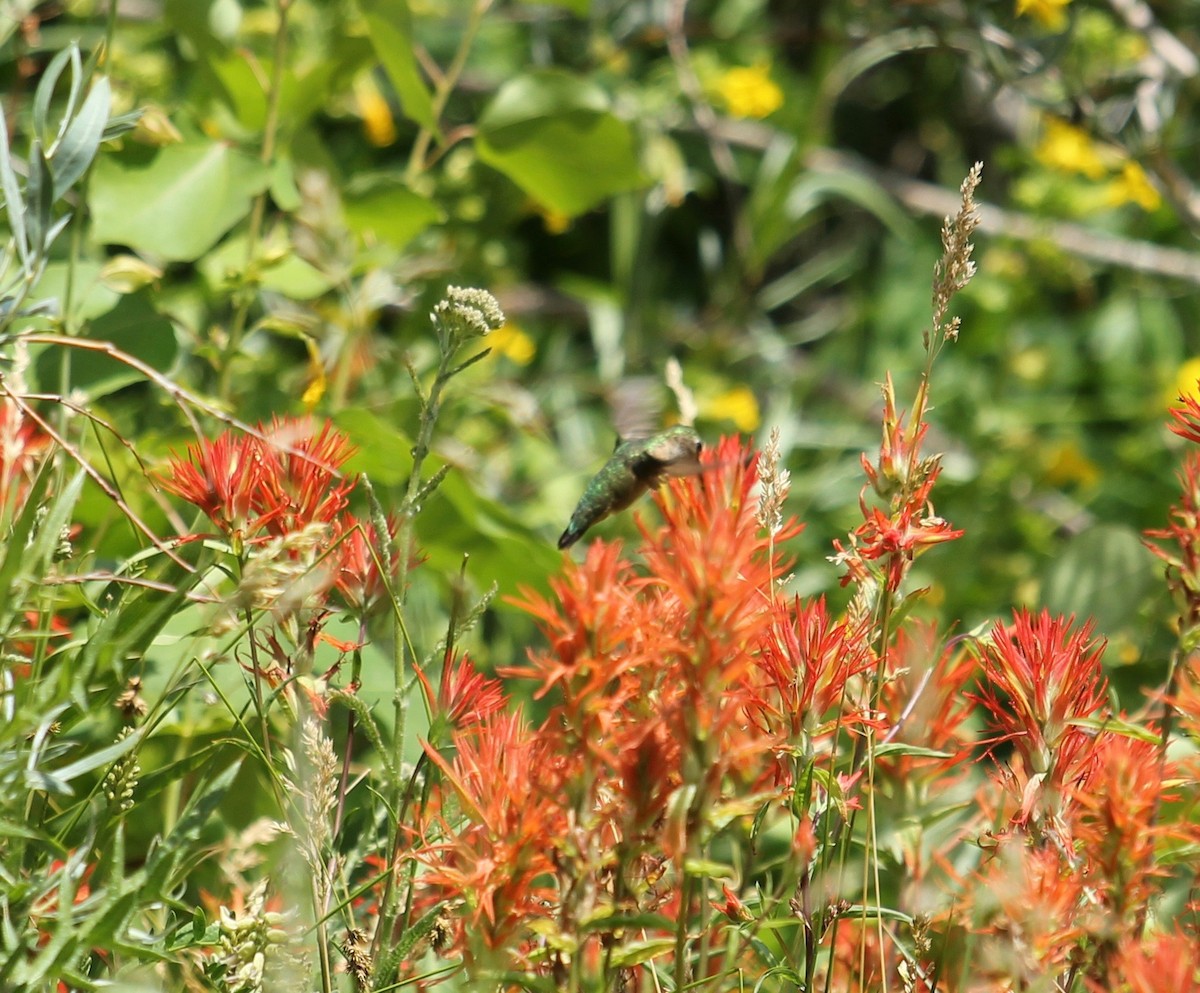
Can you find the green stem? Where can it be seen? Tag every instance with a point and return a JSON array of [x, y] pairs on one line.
[[445, 86], [258, 213]]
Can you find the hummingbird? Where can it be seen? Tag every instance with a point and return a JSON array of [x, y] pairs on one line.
[[642, 460]]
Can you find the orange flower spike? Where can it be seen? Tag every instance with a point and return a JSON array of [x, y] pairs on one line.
[[1116, 829], [223, 478], [358, 549], [494, 862], [805, 661], [465, 698], [1186, 415], [302, 478], [1178, 544], [1039, 677]]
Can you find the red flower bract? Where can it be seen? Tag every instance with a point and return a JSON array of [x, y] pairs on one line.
[[1040, 677], [281, 480]]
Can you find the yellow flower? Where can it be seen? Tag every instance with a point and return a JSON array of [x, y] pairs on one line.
[[378, 123], [1050, 14], [1069, 149], [317, 382], [1067, 464], [1186, 383], [555, 221], [1133, 186], [750, 91], [513, 343], [738, 405]]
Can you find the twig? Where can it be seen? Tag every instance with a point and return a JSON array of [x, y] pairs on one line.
[[94, 475], [1075, 239]]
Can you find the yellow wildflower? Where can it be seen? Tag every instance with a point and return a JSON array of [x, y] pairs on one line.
[[1069, 149], [737, 405], [378, 123], [1066, 464], [513, 343], [317, 382], [1133, 186], [1186, 383], [750, 91], [1050, 14], [555, 221]]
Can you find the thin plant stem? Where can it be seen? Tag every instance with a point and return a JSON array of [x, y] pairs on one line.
[[258, 213], [417, 160]]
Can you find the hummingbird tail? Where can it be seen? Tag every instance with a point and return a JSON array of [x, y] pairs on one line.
[[570, 536]]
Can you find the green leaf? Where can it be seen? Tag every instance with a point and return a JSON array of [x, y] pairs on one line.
[[58, 780], [384, 451], [13, 204], [916, 751], [383, 208], [278, 268], [553, 135], [133, 326], [90, 297], [179, 205], [504, 549], [1116, 725], [74, 153], [580, 7], [636, 952], [1103, 572], [389, 23], [45, 92], [39, 196]]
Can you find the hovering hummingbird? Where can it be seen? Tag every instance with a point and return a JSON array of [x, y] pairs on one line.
[[643, 459]]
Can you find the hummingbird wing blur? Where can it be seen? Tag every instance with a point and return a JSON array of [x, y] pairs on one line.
[[637, 408], [671, 456]]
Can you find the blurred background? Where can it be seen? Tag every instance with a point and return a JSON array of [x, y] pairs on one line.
[[752, 188]]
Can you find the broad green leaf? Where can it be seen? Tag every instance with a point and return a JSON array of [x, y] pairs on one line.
[[1103, 572], [89, 296], [503, 548], [133, 326], [553, 135], [384, 451], [179, 205], [383, 208], [389, 24]]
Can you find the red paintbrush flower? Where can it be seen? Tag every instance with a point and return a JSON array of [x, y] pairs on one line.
[[894, 534], [359, 553], [303, 479], [282, 482], [224, 479], [465, 698], [1178, 544], [495, 858], [1187, 418], [1039, 678], [22, 445]]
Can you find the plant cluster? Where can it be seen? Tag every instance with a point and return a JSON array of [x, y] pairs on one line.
[[294, 691]]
